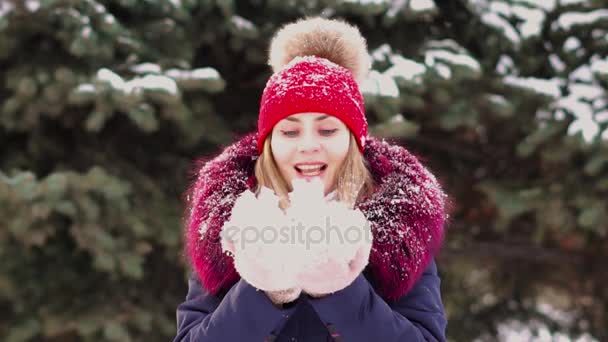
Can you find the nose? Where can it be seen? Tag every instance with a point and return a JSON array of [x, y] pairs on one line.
[[309, 143]]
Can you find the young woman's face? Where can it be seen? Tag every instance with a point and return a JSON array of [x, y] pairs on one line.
[[310, 145]]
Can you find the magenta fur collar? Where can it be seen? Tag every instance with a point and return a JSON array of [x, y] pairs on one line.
[[406, 211]]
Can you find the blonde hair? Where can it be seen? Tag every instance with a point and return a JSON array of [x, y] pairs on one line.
[[353, 179]]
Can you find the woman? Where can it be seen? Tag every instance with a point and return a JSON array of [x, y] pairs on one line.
[[312, 134]]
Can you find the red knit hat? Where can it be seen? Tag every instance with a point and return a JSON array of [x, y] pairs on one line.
[[317, 63]]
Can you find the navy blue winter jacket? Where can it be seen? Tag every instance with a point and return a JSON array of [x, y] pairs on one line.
[[355, 313]]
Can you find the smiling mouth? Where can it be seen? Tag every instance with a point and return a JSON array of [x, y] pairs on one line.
[[309, 170]]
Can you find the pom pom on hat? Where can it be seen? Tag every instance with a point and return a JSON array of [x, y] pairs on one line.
[[332, 39]]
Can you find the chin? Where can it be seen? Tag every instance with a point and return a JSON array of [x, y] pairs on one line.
[[326, 186]]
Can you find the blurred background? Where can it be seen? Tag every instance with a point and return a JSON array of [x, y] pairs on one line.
[[104, 104]]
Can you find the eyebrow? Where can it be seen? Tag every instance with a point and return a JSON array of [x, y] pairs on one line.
[[322, 117]]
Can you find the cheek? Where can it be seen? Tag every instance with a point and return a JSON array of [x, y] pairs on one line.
[[338, 148], [281, 150]]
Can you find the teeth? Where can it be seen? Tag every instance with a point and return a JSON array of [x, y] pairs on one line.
[[309, 168]]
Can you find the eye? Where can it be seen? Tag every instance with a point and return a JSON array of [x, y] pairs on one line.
[[289, 133], [328, 132]]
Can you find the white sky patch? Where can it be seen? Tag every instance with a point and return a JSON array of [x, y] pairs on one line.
[[550, 87], [406, 68], [145, 68], [379, 85], [569, 19], [422, 5], [196, 74]]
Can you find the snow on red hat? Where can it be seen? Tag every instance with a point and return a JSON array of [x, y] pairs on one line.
[[317, 63]]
